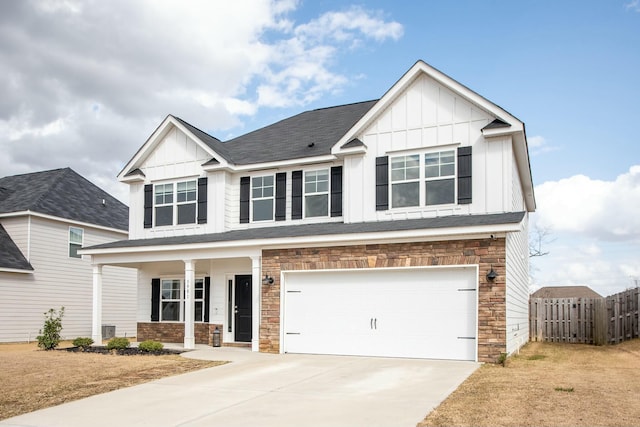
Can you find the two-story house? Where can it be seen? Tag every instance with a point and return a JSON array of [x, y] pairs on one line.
[[45, 218], [395, 227]]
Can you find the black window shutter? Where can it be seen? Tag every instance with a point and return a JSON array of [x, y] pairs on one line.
[[202, 200], [148, 206], [336, 191], [281, 196], [245, 193], [155, 300], [207, 290], [382, 183], [296, 195], [464, 175]]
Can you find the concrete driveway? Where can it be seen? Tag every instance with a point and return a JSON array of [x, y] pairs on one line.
[[271, 390]]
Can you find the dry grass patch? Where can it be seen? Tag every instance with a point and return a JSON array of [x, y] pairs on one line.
[[550, 384], [34, 379]]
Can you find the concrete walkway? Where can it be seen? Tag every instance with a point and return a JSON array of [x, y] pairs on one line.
[[259, 389]]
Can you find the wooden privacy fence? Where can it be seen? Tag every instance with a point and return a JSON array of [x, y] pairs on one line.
[[585, 320]]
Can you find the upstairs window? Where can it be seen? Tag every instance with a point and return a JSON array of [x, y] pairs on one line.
[[76, 236], [316, 193], [440, 174], [405, 181], [262, 198], [186, 202], [423, 179], [175, 204]]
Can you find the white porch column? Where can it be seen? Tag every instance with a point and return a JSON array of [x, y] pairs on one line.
[[256, 290], [96, 323], [189, 328]]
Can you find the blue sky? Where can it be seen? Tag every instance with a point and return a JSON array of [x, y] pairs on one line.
[[85, 83]]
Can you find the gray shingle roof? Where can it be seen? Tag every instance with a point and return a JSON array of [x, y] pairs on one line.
[[565, 292], [322, 229], [307, 134], [64, 194], [10, 254]]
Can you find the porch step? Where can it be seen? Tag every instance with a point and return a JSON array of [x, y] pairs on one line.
[[237, 344]]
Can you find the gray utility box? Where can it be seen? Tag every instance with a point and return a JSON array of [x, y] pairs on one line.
[[108, 332]]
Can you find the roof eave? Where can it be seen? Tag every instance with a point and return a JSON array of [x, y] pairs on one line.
[[155, 138]]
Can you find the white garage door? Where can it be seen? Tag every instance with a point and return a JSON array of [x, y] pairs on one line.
[[422, 313]]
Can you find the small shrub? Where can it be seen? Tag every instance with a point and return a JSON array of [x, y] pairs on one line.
[[566, 389], [50, 333], [118, 343], [502, 360], [150, 346], [82, 342]]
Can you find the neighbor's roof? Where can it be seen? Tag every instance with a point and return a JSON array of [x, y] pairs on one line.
[[64, 194], [565, 292], [10, 255], [321, 229]]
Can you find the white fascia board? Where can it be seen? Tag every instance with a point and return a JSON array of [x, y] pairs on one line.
[[65, 220], [404, 82], [14, 270], [244, 248], [276, 165], [155, 138]]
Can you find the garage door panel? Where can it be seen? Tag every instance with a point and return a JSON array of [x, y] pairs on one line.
[[426, 313]]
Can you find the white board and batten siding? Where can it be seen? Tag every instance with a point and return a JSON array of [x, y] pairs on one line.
[[428, 312], [176, 157], [58, 280], [429, 116]]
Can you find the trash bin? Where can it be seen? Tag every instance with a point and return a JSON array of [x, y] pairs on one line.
[[108, 331], [216, 337]]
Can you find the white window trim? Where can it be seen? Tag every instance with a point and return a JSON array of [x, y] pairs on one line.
[[74, 243], [305, 194], [175, 203], [423, 179], [181, 301], [273, 198]]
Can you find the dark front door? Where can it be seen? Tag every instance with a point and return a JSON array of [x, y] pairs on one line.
[[242, 308]]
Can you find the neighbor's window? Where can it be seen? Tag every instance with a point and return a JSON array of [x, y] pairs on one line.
[[316, 193], [75, 241], [262, 193], [423, 179], [175, 204]]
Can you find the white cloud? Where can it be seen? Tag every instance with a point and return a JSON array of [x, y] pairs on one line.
[[605, 210], [539, 145], [85, 82], [633, 5]]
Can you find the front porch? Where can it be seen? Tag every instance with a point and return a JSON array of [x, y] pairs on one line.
[[184, 296]]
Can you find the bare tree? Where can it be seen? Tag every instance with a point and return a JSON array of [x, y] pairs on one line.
[[539, 237]]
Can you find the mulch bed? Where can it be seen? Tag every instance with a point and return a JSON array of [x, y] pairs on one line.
[[130, 351]]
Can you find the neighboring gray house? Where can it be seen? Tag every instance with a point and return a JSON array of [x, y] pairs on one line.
[[45, 217], [395, 227]]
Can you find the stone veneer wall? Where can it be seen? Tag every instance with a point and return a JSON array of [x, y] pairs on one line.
[[174, 332], [483, 252]]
